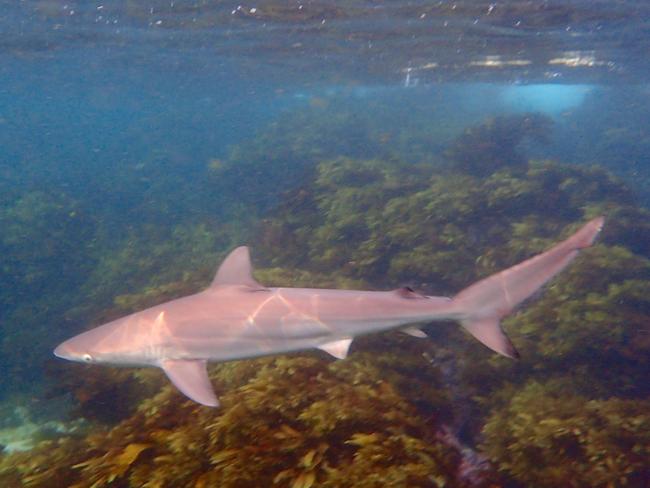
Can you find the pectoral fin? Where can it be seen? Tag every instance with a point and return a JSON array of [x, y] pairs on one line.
[[190, 376], [338, 349]]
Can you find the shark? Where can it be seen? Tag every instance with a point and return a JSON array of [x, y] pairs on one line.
[[237, 318]]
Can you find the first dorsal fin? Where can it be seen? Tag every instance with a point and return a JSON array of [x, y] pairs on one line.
[[236, 269]]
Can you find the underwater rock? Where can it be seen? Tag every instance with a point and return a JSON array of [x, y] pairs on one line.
[[475, 468], [483, 149], [371, 420], [548, 436], [406, 225], [620, 141], [589, 325], [292, 421], [23, 432], [42, 263]]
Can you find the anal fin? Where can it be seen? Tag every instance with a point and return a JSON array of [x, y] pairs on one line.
[[190, 376]]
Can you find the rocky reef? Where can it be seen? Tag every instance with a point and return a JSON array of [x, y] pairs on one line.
[[296, 421], [547, 435], [483, 148], [398, 411]]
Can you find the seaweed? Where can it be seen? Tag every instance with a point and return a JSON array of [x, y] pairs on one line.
[[546, 435], [620, 141], [443, 231], [388, 223], [482, 149], [41, 265], [295, 421], [377, 417]]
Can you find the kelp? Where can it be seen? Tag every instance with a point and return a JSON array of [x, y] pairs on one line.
[[620, 142], [493, 144], [154, 256], [375, 418], [284, 154], [296, 421], [589, 328], [376, 222], [389, 223], [101, 395], [38, 262], [547, 436]]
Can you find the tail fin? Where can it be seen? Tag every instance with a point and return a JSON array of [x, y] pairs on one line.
[[482, 305]]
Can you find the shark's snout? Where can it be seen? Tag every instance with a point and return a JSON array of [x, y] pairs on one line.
[[64, 351]]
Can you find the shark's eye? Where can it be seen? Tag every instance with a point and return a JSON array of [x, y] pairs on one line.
[[87, 358]]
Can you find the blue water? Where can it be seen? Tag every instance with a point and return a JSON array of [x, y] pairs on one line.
[[141, 141]]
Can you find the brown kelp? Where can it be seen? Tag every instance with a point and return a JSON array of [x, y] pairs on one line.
[[493, 144], [547, 435], [589, 328], [620, 142], [39, 262], [570, 413], [296, 421], [387, 223]]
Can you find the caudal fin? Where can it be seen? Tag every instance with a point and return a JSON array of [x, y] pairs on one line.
[[482, 305]]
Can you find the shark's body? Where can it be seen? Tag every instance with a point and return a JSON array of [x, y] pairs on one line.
[[238, 318]]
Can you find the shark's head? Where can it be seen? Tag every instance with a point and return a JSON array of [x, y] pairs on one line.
[[121, 342]]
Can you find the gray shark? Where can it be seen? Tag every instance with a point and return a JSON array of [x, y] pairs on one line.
[[236, 318]]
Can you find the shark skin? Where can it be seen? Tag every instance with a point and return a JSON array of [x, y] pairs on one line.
[[237, 318]]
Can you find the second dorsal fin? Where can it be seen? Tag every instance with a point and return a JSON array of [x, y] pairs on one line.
[[408, 292], [236, 269]]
